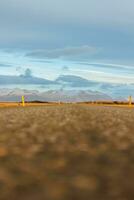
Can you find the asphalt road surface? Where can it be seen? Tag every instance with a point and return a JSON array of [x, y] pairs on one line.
[[67, 152]]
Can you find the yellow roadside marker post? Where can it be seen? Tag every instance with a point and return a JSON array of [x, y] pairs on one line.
[[130, 100], [23, 101]]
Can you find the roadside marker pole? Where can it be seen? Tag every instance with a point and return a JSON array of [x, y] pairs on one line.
[[23, 101], [130, 100]]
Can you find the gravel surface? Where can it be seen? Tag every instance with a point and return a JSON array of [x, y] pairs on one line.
[[67, 152]]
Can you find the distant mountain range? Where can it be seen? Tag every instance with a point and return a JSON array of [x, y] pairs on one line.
[[52, 95], [68, 82]]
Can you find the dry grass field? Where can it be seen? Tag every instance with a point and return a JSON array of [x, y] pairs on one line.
[[67, 152]]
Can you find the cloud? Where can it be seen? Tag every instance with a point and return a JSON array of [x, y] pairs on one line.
[[28, 73], [42, 61], [19, 69], [65, 68], [75, 81], [23, 80], [5, 65], [120, 67], [68, 52]]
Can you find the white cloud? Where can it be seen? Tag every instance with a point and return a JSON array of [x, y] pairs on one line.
[[68, 52]]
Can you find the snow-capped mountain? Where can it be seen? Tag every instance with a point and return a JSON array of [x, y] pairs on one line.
[[52, 95]]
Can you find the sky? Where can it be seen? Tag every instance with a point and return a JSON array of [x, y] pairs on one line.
[[93, 39]]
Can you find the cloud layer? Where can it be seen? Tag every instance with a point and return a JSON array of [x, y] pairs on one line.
[[69, 52], [56, 24]]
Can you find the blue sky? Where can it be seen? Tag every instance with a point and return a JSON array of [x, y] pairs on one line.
[[93, 39]]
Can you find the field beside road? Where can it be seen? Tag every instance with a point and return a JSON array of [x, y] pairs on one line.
[[67, 152]]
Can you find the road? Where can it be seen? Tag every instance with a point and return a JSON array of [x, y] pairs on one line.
[[67, 152]]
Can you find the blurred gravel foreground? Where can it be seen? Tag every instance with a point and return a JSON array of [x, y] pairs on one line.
[[67, 152]]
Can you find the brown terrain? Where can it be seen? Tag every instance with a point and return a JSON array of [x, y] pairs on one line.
[[66, 152]]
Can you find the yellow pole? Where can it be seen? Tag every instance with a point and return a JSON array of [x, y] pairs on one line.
[[23, 101], [130, 100]]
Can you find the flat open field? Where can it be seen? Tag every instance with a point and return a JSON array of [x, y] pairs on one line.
[[67, 152]]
